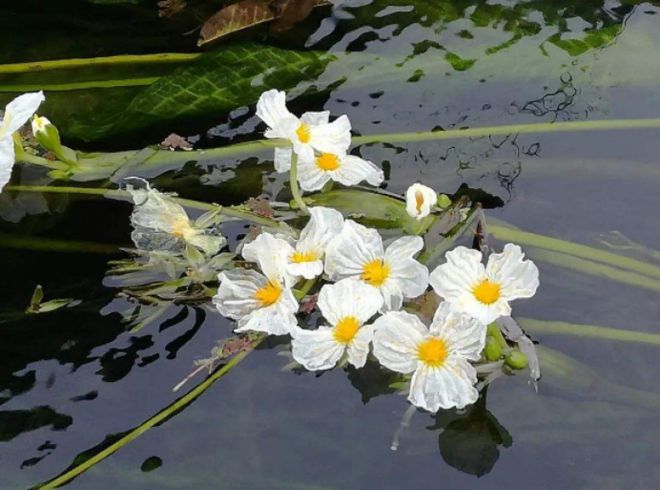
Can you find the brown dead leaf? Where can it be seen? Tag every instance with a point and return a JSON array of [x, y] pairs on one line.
[[290, 12], [175, 142], [168, 8], [260, 206], [234, 18], [426, 304]]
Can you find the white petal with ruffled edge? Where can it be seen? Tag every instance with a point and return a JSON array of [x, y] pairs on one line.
[[316, 349], [445, 387], [7, 160], [518, 278], [272, 255], [419, 201], [271, 109], [236, 294], [282, 159], [348, 297], [334, 137], [358, 350], [408, 276], [396, 337], [19, 111], [351, 171], [277, 319], [467, 334], [351, 249]]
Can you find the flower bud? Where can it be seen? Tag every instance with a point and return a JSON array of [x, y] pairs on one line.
[[420, 200], [46, 134], [443, 201], [515, 359], [493, 349]]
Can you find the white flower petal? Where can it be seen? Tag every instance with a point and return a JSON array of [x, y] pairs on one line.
[[271, 109], [316, 349], [466, 336], [19, 111], [419, 201], [396, 337], [518, 278], [310, 176], [349, 297], [356, 245], [308, 270], [316, 118], [272, 254], [324, 225], [436, 388], [334, 137], [411, 277], [235, 296], [353, 170], [459, 274], [358, 350], [156, 211], [210, 244], [282, 159], [392, 296], [6, 160], [277, 319]]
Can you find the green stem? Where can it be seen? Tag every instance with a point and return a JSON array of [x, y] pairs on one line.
[[430, 255], [577, 250], [21, 156], [233, 212], [589, 331], [157, 58], [67, 87], [293, 181], [160, 417]]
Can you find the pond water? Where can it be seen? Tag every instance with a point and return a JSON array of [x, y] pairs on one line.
[[75, 379]]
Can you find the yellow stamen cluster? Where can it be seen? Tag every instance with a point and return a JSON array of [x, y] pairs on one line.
[[433, 352], [486, 292], [269, 294], [375, 272], [299, 257], [346, 329], [181, 228], [303, 133], [419, 200], [327, 162]]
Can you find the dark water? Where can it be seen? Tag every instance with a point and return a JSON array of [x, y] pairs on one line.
[[74, 377]]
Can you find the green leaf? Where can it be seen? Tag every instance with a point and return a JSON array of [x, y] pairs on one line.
[[371, 208]]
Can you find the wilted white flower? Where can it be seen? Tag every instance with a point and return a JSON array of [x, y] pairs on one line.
[[358, 252], [346, 305], [482, 291], [260, 301], [420, 200], [317, 170], [16, 114], [160, 223], [312, 131], [306, 257], [439, 357]]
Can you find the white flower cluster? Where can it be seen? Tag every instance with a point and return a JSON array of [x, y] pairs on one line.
[[365, 279]]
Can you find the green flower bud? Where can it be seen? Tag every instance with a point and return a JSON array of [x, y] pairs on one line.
[[443, 201], [48, 137], [493, 349], [515, 359]]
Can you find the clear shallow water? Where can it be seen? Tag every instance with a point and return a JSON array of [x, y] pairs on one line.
[[71, 378]]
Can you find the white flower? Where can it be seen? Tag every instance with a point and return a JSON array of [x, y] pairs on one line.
[[358, 252], [17, 113], [346, 305], [485, 292], [160, 223], [306, 258], [314, 171], [260, 301], [439, 357], [419, 201], [312, 131]]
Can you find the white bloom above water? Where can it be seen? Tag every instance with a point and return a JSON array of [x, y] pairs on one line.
[[482, 291], [346, 305], [306, 258], [260, 301], [160, 223], [312, 131], [420, 199], [16, 114], [315, 171], [358, 252], [437, 356]]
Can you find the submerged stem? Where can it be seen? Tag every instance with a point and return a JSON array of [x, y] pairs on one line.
[[293, 181]]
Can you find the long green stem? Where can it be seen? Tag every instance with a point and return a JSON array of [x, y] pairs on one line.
[[575, 249], [293, 181], [124, 195], [590, 331], [42, 162], [157, 58], [68, 87], [161, 416]]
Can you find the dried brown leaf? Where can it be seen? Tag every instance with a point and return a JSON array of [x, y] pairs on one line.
[[260, 206], [168, 8], [175, 142], [290, 12], [233, 18]]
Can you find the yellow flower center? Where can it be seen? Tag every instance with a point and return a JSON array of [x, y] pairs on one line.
[[303, 133], [269, 294], [487, 292], [181, 228], [299, 257], [433, 352], [346, 329], [375, 272], [327, 161], [419, 199]]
